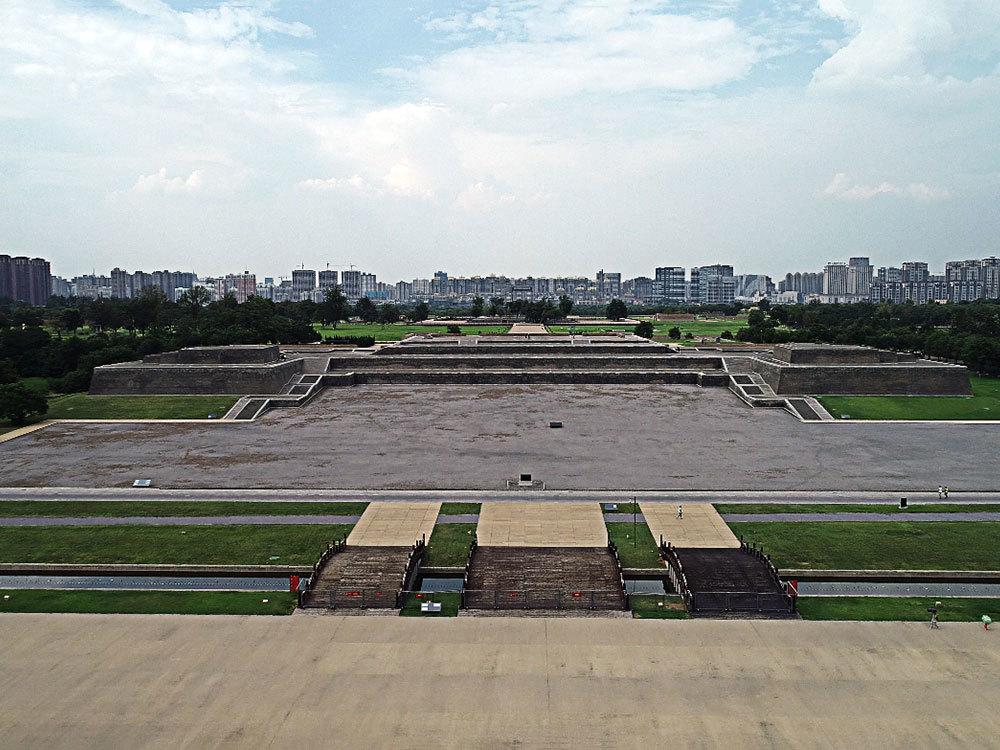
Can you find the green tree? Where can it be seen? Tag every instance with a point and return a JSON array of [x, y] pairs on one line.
[[420, 313], [644, 329], [388, 314], [477, 306], [674, 333], [616, 310], [565, 305], [71, 319], [334, 307], [365, 309], [18, 402], [496, 306], [194, 299]]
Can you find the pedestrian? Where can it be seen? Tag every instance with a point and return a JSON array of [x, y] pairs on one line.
[[680, 511], [934, 621], [945, 493], [940, 492]]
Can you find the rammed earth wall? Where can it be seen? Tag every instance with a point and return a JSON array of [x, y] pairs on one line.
[[139, 379]]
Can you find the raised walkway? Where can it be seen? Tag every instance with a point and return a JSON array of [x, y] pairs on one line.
[[535, 524], [701, 526], [394, 524]]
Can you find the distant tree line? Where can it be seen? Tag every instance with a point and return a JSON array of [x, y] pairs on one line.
[[968, 332]]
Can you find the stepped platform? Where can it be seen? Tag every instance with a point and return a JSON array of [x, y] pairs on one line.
[[732, 581], [549, 578], [366, 577], [701, 525]]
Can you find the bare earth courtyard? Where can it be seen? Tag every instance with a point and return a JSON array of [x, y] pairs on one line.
[[94, 681], [476, 437]]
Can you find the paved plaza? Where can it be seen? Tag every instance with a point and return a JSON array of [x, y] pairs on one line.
[[534, 524], [700, 526], [617, 437], [394, 524], [93, 681]]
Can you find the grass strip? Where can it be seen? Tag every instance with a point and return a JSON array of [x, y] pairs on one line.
[[149, 602], [983, 404], [83, 406], [458, 509], [450, 602], [157, 509], [622, 508], [177, 545], [892, 608], [636, 548], [877, 545], [657, 607], [398, 331], [761, 508], [449, 545]]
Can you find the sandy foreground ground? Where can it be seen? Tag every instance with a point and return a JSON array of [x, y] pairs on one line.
[[96, 681], [477, 437]]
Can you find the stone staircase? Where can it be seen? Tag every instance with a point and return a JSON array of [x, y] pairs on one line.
[[733, 581], [359, 578], [549, 578]]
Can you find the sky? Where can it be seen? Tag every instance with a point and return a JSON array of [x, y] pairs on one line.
[[518, 137]]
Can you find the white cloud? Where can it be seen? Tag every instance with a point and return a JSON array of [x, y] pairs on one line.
[[158, 182], [843, 187]]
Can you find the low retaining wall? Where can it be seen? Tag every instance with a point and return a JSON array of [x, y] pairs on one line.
[[503, 349], [917, 378], [138, 379], [492, 361], [216, 355], [521, 377]]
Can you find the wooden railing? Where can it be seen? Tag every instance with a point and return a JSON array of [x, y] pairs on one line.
[[332, 548], [621, 575], [676, 572]]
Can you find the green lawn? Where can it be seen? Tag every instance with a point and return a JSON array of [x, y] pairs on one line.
[[656, 607], [877, 545], [895, 608], [92, 508], [757, 508], [622, 508], [83, 406], [457, 509], [397, 331], [449, 545], [450, 603], [191, 545], [149, 602], [637, 549], [983, 404]]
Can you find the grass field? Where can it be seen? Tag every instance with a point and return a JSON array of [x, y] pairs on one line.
[[149, 602], [191, 545], [757, 508], [707, 327], [638, 550], [983, 404], [895, 608], [96, 509], [82, 406], [397, 331], [622, 508], [449, 545], [877, 545], [450, 603], [457, 509], [656, 607]]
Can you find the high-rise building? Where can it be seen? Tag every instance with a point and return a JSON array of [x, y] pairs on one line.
[[242, 286], [369, 286], [859, 277], [915, 271], [327, 279], [303, 282], [25, 279], [835, 279], [711, 285], [669, 286], [351, 283]]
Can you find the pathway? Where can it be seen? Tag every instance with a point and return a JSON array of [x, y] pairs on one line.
[[859, 517], [534, 524], [701, 525], [394, 524], [178, 521]]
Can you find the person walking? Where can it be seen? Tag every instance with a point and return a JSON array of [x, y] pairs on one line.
[[945, 493], [680, 511], [940, 492], [934, 621]]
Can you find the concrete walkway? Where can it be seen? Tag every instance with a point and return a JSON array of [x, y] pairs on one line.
[[531, 329], [859, 517], [533, 524], [394, 524], [179, 521], [701, 525], [130, 681]]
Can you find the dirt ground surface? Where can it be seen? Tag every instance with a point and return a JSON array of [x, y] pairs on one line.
[[476, 437], [101, 681]]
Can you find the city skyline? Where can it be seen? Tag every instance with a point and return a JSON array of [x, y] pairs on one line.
[[546, 136]]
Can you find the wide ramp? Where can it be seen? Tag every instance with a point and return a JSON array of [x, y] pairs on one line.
[[701, 526], [527, 524], [394, 524]]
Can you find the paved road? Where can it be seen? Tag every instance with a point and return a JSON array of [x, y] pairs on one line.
[[145, 583], [305, 495], [860, 517], [91, 681], [179, 521]]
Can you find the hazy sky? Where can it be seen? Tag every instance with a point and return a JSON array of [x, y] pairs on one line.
[[517, 136]]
